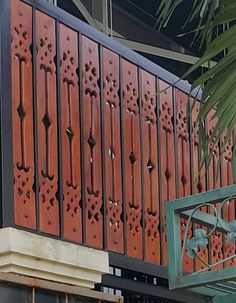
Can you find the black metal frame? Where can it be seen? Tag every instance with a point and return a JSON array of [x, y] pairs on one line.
[[159, 290], [7, 201], [80, 26]]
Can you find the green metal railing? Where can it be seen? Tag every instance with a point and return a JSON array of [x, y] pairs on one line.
[[206, 211]]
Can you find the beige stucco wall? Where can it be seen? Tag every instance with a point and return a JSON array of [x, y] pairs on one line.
[[39, 256]]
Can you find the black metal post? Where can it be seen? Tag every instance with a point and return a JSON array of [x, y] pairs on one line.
[[140, 101], [60, 189], [104, 198], [6, 140], [80, 75], [122, 152]]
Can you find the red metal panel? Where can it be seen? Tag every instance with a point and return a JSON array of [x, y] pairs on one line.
[[167, 157], [150, 168], [214, 183], [183, 156], [198, 180], [132, 160], [47, 124], [22, 113], [228, 209], [92, 143], [112, 147], [70, 135]]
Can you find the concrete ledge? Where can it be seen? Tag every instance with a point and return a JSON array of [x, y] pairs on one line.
[[41, 257]]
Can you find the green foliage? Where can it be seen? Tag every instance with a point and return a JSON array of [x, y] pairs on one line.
[[218, 83], [198, 241]]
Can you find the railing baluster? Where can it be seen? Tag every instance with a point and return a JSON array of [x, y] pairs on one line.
[[80, 75], [122, 153], [36, 175], [59, 193]]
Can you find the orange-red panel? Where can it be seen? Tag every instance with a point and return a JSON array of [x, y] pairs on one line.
[[216, 244], [228, 209], [47, 124], [198, 180], [112, 148], [167, 157], [70, 134], [150, 168], [183, 160], [132, 159], [22, 114], [92, 143]]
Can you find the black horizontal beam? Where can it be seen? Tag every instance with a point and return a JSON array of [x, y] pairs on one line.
[[82, 27], [152, 290], [122, 261]]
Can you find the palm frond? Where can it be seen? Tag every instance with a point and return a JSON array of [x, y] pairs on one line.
[[218, 83]]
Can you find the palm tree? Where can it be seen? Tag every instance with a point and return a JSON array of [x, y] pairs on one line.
[[216, 31]]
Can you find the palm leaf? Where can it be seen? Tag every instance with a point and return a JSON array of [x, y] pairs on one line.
[[218, 83]]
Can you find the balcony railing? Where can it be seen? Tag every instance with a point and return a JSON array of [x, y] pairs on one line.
[[215, 277], [95, 139]]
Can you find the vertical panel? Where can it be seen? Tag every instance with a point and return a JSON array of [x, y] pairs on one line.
[[132, 159], [228, 209], [183, 162], [92, 143], [150, 168], [70, 134], [198, 180], [22, 113], [167, 160], [47, 124], [214, 183], [112, 148]]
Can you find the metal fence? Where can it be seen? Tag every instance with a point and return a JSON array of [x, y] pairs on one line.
[[95, 139]]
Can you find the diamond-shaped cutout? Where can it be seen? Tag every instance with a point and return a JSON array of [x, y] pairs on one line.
[[183, 180], [167, 174], [69, 133], [111, 153], [150, 166], [199, 187], [46, 121], [91, 141], [132, 158], [21, 112]]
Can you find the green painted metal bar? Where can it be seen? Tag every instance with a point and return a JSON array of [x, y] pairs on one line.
[[220, 289], [187, 203], [205, 219], [208, 291], [173, 245], [190, 281], [213, 283], [224, 299], [228, 286]]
